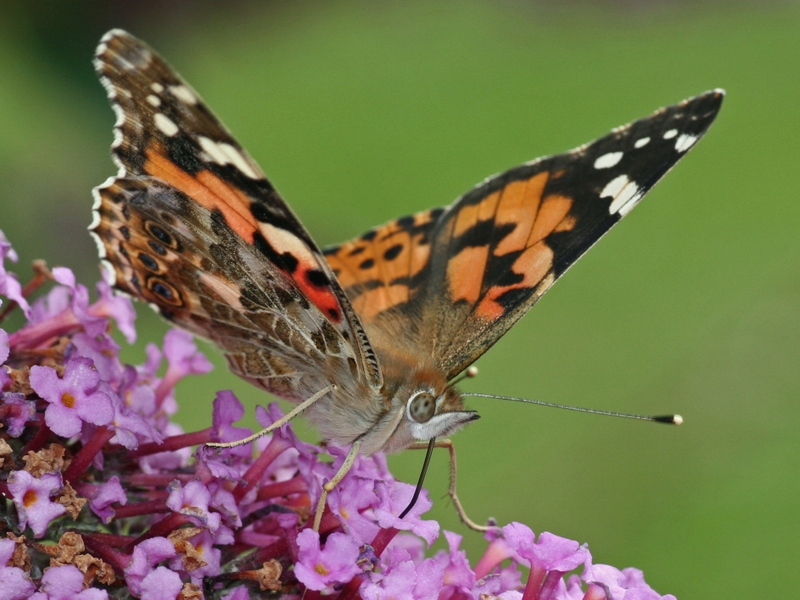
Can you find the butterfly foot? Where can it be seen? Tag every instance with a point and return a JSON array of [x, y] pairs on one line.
[[329, 486]]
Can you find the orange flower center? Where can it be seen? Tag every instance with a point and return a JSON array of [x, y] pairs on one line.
[[30, 498], [67, 399], [320, 568]]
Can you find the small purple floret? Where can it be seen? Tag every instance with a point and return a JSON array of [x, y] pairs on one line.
[[318, 568], [182, 356], [102, 496], [146, 555], [627, 584], [31, 496], [192, 500], [393, 499], [550, 552], [66, 583], [18, 411], [161, 584], [403, 577], [73, 399], [120, 308], [227, 410], [9, 286]]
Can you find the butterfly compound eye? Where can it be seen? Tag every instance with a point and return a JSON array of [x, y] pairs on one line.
[[421, 407]]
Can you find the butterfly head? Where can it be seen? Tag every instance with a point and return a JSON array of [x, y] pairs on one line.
[[430, 408]]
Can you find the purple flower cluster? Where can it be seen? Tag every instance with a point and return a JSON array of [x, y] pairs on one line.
[[106, 496]]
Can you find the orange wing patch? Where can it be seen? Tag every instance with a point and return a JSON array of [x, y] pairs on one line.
[[519, 206], [465, 273], [533, 264], [552, 216], [519, 217], [378, 269], [470, 214], [215, 194], [206, 189]]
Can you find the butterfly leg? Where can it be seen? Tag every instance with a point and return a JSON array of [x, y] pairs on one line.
[[462, 514], [279, 423], [330, 485]]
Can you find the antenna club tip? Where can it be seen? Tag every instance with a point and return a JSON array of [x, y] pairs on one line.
[[471, 371], [668, 419]]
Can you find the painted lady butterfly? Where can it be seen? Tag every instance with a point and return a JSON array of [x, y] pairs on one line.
[[366, 335]]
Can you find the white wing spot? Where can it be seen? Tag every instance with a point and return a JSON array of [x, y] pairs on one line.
[[157, 87], [236, 159], [608, 160], [153, 100], [625, 194], [642, 142], [285, 241], [183, 93], [213, 150], [164, 125], [632, 201], [614, 186], [684, 142], [670, 134], [225, 154]]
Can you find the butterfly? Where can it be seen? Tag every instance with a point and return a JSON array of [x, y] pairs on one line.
[[366, 336]]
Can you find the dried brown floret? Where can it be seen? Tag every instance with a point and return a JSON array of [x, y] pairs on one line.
[[190, 591], [22, 555], [69, 499], [46, 460]]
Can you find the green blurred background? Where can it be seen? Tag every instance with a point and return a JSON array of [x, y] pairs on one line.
[[363, 111]]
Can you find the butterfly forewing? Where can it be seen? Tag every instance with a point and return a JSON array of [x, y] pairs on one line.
[[235, 242], [499, 247]]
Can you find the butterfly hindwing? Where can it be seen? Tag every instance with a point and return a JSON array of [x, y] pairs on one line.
[[383, 269]]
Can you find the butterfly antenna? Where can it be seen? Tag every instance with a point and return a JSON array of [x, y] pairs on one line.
[[668, 419], [279, 423], [418, 489], [469, 373]]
